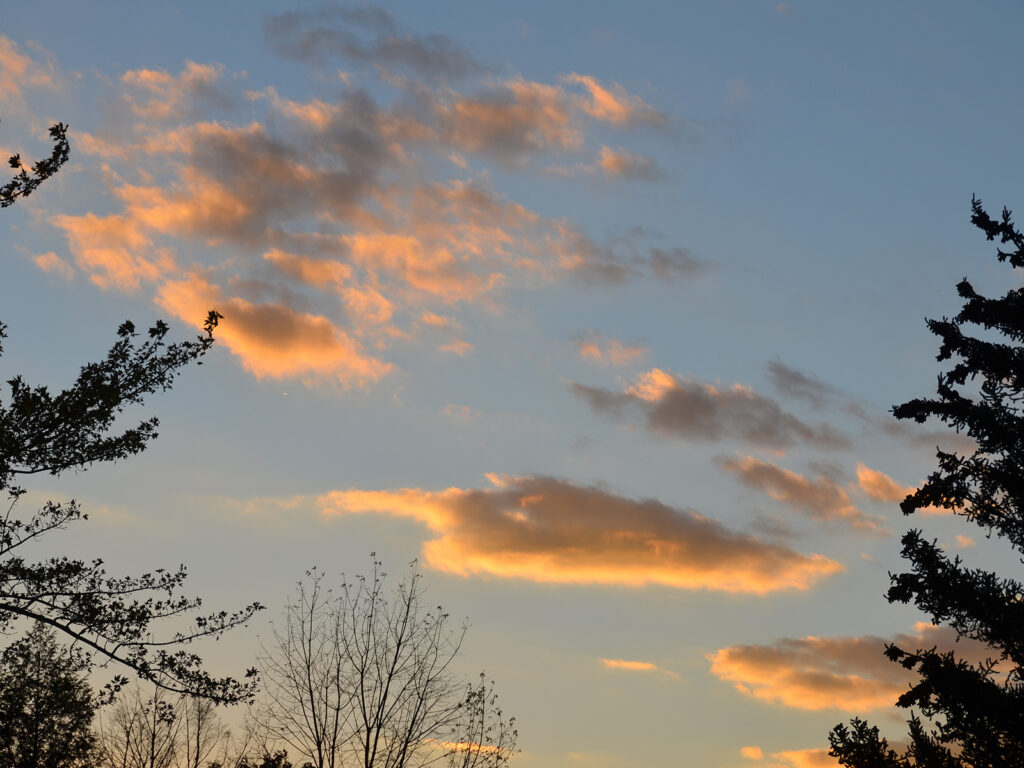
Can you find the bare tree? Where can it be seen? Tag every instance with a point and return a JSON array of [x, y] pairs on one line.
[[306, 698], [365, 677], [159, 732], [201, 730], [140, 733], [484, 737]]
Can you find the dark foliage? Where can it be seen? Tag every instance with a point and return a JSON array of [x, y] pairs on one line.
[[975, 712], [46, 705], [117, 618], [24, 183], [278, 759]]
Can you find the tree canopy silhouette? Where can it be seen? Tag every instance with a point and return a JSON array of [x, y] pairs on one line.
[[46, 705], [974, 713], [117, 618]]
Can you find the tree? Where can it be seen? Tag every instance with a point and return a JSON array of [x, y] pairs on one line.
[[24, 184], [201, 730], [974, 713], [140, 733], [116, 618], [364, 677], [159, 731], [46, 705], [483, 736]]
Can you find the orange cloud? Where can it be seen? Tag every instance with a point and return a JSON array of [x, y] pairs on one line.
[[337, 203], [965, 541], [821, 498], [114, 251], [849, 674], [614, 104], [633, 666], [54, 264], [510, 122], [321, 273], [315, 114], [19, 71], [806, 758], [460, 348], [693, 410], [273, 340], [596, 348], [466, 746], [548, 530], [752, 753], [170, 96], [622, 164], [879, 486], [637, 666]]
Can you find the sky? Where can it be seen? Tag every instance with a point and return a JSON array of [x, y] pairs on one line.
[[598, 310]]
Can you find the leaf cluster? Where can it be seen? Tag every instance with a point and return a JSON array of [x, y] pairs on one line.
[[25, 183]]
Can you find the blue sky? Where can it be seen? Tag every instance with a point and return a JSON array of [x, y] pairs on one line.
[[659, 270]]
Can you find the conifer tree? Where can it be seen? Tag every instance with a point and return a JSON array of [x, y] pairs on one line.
[[965, 715], [46, 705]]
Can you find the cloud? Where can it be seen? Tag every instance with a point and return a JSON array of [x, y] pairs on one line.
[[320, 273], [459, 348], [20, 71], [796, 384], [849, 674], [331, 213], [114, 251], [806, 758], [637, 666], [821, 499], [965, 541], [594, 347], [366, 35], [689, 409], [880, 487], [752, 753], [274, 340], [548, 530], [620, 163], [511, 121], [667, 264], [460, 412], [190, 93], [53, 264], [613, 104]]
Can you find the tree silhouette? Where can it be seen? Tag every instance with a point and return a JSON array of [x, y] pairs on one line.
[[115, 618], [24, 183], [363, 677], [46, 705], [974, 713]]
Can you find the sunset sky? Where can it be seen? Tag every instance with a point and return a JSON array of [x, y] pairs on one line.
[[597, 309]]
